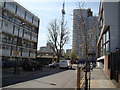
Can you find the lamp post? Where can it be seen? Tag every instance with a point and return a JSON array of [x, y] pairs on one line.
[[16, 70]]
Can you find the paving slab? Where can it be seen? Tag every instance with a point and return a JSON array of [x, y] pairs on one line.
[[99, 79]]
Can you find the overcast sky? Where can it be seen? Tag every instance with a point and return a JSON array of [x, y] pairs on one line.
[[48, 10]]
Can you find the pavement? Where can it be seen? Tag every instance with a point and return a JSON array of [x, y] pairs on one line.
[[99, 80]]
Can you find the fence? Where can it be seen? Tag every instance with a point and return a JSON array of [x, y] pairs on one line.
[[114, 65]]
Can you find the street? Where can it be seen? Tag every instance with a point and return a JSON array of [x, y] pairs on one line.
[[47, 78]]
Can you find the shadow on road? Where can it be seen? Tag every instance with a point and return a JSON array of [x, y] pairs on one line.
[[46, 83], [8, 78]]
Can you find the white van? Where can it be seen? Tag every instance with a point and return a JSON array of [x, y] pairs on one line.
[[65, 64]]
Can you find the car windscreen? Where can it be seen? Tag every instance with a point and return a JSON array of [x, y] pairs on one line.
[[63, 62]]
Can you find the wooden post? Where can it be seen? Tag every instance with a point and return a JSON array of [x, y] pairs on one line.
[[119, 80], [78, 77]]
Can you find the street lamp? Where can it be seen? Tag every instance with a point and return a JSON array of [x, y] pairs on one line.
[[16, 69]]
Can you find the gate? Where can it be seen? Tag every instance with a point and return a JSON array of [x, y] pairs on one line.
[[115, 64]]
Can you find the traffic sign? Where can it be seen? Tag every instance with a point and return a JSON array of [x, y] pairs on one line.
[[15, 52]]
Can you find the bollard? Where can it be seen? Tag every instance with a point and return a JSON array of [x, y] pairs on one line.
[[78, 77]]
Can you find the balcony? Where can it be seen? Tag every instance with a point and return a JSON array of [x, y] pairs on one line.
[[7, 30], [32, 55], [35, 22], [26, 36], [16, 33], [25, 54], [7, 27], [20, 13], [20, 34], [28, 17], [5, 52], [10, 6], [34, 39], [14, 42]]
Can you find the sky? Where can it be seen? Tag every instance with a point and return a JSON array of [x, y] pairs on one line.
[[48, 10]]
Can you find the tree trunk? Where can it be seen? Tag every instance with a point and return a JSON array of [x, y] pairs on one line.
[[58, 57]]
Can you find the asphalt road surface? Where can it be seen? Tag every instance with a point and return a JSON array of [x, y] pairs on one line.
[[48, 78]]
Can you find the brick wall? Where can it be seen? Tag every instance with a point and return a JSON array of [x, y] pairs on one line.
[[107, 71]]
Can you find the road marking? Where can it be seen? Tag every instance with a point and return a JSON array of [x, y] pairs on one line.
[[81, 83]]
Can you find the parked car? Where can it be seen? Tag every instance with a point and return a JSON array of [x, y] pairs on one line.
[[65, 64], [8, 64], [54, 65], [31, 65]]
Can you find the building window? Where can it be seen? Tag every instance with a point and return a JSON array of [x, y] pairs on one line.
[[4, 38], [3, 46], [7, 47], [11, 4], [20, 50], [105, 43], [16, 29], [6, 24], [14, 41], [104, 52], [101, 48], [107, 36], [104, 38], [20, 12], [29, 17], [107, 48], [13, 48]]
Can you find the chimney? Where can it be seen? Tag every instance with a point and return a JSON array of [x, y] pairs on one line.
[[89, 12]]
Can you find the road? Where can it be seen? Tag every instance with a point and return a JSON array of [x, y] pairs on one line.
[[61, 79]]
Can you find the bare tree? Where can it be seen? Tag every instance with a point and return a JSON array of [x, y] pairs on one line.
[[86, 33], [59, 36], [87, 36]]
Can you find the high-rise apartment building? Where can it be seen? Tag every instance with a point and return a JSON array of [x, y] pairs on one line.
[[19, 32], [78, 29]]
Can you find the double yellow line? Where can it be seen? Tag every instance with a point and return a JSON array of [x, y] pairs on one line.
[[81, 83]]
